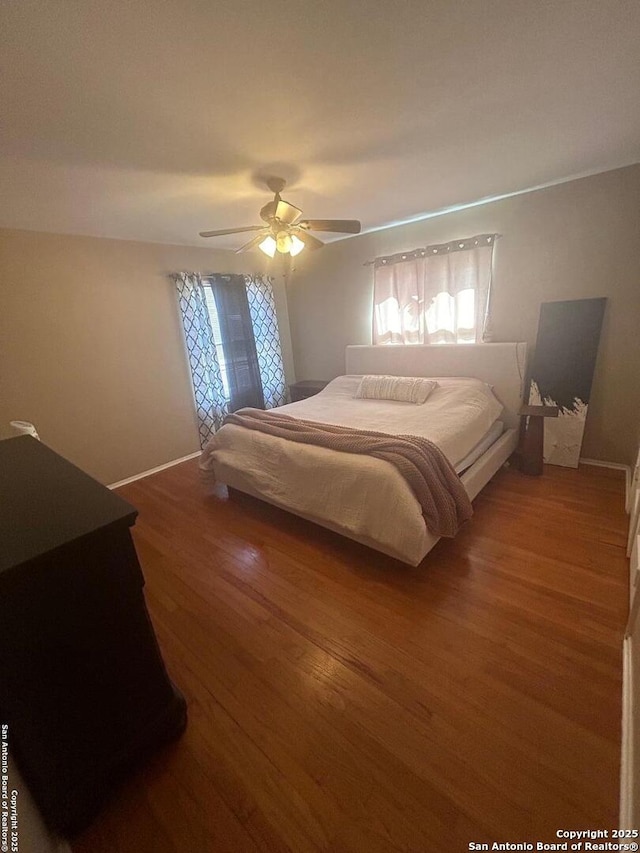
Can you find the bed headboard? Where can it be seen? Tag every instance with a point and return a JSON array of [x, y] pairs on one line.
[[501, 365]]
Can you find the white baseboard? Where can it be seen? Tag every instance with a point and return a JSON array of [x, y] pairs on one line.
[[626, 754], [153, 470], [618, 466]]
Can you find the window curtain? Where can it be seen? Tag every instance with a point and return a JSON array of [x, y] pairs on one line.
[[262, 308], [438, 294], [208, 390], [238, 341]]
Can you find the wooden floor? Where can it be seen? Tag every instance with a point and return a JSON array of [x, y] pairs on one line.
[[342, 701]]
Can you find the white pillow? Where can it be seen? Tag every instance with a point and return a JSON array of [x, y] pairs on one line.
[[403, 389]]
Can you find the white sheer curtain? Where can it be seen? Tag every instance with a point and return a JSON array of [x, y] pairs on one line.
[[434, 295]]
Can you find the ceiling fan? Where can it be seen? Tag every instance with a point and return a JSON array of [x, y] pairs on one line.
[[285, 231]]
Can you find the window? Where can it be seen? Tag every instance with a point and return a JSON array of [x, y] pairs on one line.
[[217, 338], [233, 345], [244, 327], [435, 295], [451, 319], [234, 341]]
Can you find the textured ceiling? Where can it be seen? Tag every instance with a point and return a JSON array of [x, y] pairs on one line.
[[153, 121]]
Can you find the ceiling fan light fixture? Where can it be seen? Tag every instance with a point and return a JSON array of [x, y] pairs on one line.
[[283, 242], [268, 246], [296, 246]]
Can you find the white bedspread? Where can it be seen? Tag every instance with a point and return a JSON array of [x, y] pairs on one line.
[[456, 415], [358, 495]]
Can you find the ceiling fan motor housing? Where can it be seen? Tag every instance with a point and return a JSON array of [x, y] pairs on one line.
[[276, 185]]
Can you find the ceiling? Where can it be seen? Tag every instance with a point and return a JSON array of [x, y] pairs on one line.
[[155, 120]]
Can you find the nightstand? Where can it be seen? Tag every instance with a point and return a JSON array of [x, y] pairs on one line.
[[306, 388], [532, 443]]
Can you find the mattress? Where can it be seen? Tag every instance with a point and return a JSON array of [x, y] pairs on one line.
[[493, 434], [361, 496]]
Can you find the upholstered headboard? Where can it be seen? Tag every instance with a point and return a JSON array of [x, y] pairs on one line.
[[500, 365]]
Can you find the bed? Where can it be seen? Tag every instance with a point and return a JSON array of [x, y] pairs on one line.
[[471, 416]]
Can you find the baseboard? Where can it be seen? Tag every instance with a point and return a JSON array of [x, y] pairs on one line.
[[153, 470], [626, 753], [618, 466]]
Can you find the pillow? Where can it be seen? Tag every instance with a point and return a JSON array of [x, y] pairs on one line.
[[403, 389]]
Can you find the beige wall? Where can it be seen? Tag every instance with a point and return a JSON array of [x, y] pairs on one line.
[[91, 348], [579, 239]]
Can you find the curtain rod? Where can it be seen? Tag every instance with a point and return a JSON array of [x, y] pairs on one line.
[[432, 248]]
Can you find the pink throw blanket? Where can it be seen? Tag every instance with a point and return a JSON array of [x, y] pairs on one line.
[[444, 501]]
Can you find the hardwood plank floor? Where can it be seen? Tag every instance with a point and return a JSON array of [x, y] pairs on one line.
[[341, 701]]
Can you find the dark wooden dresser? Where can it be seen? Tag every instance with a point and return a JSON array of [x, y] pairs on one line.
[[83, 687]]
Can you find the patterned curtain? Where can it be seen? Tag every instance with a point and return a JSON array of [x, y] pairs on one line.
[[262, 308], [208, 390]]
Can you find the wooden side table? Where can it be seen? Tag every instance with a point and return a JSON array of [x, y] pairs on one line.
[[532, 443], [306, 388]]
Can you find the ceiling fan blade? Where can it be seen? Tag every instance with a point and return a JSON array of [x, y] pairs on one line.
[[253, 242], [309, 240], [224, 231], [286, 212], [344, 226]]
